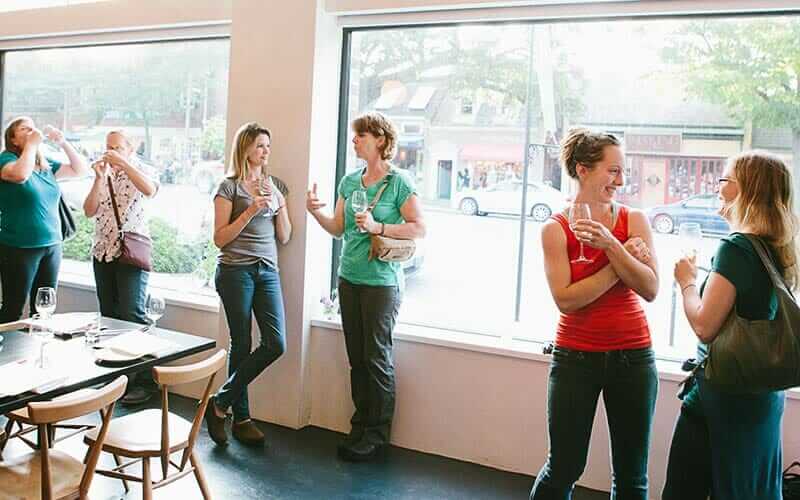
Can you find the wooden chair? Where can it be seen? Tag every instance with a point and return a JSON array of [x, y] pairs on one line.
[[158, 433], [25, 426], [47, 473]]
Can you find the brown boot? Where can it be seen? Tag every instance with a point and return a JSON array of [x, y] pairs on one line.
[[215, 424], [247, 433]]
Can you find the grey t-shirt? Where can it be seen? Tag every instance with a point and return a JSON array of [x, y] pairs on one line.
[[256, 242]]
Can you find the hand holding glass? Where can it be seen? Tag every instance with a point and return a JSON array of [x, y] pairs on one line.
[[359, 204], [578, 212], [264, 189], [46, 301], [690, 236], [154, 308]]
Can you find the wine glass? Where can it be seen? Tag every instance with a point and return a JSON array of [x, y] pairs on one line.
[[154, 308], [39, 328], [578, 212], [359, 204], [690, 236], [45, 301], [264, 189]]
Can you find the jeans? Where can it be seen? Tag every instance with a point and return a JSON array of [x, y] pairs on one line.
[[629, 383], [121, 290], [22, 272], [369, 314], [246, 290], [727, 446]]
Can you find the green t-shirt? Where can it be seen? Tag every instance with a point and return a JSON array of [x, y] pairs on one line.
[[738, 262], [354, 265], [29, 211]]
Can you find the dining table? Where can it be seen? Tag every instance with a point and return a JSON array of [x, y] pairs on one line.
[[76, 364]]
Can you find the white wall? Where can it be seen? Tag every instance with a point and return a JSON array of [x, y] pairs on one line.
[[480, 407]]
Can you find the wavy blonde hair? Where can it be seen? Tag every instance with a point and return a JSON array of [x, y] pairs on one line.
[[8, 135], [764, 206], [242, 140]]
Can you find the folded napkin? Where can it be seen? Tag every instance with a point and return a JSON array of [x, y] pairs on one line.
[[137, 344], [22, 376]]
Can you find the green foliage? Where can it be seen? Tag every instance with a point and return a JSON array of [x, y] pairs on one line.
[[80, 246], [212, 143], [751, 67], [169, 255]]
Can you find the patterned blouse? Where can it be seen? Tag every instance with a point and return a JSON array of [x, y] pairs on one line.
[[131, 204]]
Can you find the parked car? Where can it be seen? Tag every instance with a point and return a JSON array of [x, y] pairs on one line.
[[505, 198], [701, 208]]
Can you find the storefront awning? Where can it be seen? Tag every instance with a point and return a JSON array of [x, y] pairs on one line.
[[512, 153]]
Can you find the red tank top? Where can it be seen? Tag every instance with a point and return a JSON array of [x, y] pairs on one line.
[[616, 319]]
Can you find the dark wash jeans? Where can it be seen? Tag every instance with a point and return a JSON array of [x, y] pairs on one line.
[[246, 290], [22, 272], [369, 314], [121, 290], [629, 383]]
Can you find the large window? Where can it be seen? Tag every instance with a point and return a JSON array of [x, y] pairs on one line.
[[171, 98], [477, 105]]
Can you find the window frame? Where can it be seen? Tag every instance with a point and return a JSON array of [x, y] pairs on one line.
[[186, 298], [421, 20]]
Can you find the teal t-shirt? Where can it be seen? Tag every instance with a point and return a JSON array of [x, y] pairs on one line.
[[29, 211], [738, 262], [354, 265]]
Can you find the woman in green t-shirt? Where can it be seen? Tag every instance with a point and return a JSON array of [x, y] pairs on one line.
[[369, 289], [727, 445], [30, 227]]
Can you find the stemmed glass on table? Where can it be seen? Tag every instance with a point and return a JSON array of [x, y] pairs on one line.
[[45, 302], [154, 309], [360, 204], [578, 212]]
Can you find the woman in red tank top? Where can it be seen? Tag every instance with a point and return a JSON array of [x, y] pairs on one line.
[[602, 341]]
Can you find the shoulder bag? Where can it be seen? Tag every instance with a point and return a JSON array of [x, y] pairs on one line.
[[136, 249], [750, 356], [388, 249]]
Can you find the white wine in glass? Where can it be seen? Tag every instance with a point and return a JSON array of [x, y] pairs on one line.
[[690, 236], [359, 204], [578, 212]]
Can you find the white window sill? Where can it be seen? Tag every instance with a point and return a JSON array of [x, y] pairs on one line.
[[175, 298], [521, 349]]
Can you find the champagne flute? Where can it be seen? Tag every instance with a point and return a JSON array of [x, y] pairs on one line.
[[154, 308], [578, 212], [690, 236], [359, 204], [45, 301]]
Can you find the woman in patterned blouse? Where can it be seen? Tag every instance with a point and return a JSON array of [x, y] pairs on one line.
[[121, 288]]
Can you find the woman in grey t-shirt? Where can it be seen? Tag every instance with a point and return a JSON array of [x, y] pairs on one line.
[[250, 216]]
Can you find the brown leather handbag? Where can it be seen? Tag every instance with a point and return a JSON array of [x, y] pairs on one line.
[[136, 249]]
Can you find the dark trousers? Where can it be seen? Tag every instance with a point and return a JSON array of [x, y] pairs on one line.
[[122, 294], [727, 446], [247, 290], [369, 314], [121, 290], [629, 383], [22, 272]]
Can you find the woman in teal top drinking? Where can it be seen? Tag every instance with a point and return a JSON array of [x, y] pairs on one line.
[[30, 228], [370, 290]]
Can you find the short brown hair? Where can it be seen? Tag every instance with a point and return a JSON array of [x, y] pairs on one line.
[[583, 146], [379, 126]]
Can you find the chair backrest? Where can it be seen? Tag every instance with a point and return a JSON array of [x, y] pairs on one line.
[[167, 376], [45, 413]]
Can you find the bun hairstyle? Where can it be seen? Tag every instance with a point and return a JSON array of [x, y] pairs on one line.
[[583, 146]]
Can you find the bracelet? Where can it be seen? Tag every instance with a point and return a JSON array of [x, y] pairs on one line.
[[383, 228], [687, 286]]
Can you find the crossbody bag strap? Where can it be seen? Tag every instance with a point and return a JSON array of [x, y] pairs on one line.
[[114, 204], [766, 258]]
